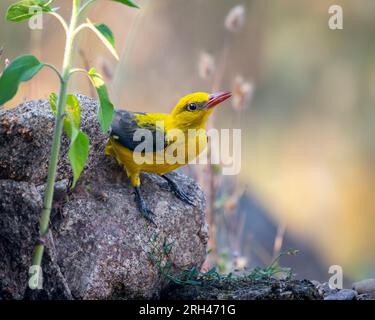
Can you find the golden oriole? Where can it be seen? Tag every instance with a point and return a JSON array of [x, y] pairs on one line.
[[189, 115]]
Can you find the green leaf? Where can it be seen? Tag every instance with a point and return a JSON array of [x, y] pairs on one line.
[[78, 152], [105, 34], [53, 102], [128, 3], [21, 69], [79, 141], [106, 109], [72, 112], [73, 115], [25, 9]]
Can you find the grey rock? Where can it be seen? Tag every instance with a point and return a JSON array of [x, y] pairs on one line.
[[315, 283], [99, 245], [366, 296], [365, 286], [25, 141], [323, 288], [20, 205], [344, 294]]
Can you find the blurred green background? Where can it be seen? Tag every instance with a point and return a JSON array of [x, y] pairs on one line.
[[307, 132]]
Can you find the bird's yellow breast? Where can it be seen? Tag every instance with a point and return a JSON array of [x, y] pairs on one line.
[[163, 161]]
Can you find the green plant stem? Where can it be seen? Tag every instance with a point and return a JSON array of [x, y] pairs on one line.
[[62, 21], [85, 6], [81, 27], [38, 255], [52, 67], [79, 70], [56, 140]]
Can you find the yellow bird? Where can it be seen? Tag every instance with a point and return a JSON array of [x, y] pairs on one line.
[[191, 112]]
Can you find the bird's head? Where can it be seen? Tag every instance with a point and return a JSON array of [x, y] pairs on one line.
[[193, 110]]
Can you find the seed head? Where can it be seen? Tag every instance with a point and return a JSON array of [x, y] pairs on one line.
[[242, 93], [240, 262], [206, 65], [235, 18]]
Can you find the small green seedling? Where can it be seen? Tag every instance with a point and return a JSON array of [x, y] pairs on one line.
[[273, 268], [64, 106]]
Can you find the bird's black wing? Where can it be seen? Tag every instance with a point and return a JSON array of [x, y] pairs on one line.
[[124, 126]]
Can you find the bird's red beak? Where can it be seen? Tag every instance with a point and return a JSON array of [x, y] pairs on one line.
[[216, 98]]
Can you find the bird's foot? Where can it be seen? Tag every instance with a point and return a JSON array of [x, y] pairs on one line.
[[145, 211], [181, 194]]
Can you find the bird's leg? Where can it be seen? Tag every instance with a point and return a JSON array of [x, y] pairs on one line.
[[178, 191], [146, 212], [141, 203]]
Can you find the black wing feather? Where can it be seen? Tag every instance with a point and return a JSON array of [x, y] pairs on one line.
[[124, 126]]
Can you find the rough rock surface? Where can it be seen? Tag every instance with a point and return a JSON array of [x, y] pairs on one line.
[[329, 293], [344, 294], [244, 288], [99, 244], [366, 286]]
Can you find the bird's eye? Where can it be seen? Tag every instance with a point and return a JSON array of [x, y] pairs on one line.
[[192, 107]]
